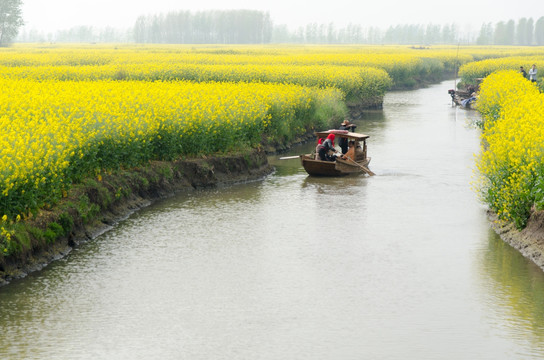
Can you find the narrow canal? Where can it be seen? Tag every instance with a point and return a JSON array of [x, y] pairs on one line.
[[402, 265]]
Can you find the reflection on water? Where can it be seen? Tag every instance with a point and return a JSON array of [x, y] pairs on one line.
[[516, 287], [401, 265]]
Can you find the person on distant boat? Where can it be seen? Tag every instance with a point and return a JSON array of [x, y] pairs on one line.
[[343, 142], [466, 103], [328, 145], [532, 73]]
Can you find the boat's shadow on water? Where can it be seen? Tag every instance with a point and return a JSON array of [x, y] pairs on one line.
[[355, 179], [325, 184]]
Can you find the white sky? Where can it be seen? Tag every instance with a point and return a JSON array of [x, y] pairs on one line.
[[50, 15]]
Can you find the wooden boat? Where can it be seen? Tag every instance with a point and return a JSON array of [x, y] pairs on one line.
[[465, 98], [340, 167]]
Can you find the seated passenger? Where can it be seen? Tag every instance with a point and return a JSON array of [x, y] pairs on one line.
[[328, 145], [319, 146], [359, 153], [350, 154]]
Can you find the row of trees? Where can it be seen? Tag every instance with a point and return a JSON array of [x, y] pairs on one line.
[[79, 34], [315, 33], [249, 28], [357, 34], [256, 27], [524, 32], [205, 27]]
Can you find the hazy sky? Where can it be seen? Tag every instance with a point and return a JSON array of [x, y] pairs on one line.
[[49, 15]]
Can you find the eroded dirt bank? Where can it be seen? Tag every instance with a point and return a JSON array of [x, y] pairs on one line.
[[93, 207], [529, 241]]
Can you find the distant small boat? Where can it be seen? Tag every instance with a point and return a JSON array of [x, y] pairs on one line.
[[466, 98], [462, 98], [340, 167]]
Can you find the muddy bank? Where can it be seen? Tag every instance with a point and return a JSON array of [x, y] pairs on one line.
[[356, 110], [529, 241], [96, 205]]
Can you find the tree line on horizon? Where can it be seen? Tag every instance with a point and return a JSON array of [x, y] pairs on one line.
[[205, 27], [257, 27], [524, 32], [357, 34]]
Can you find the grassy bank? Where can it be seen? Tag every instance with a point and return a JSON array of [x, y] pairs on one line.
[[94, 204]]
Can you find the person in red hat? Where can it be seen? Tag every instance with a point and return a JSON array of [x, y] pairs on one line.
[[327, 146]]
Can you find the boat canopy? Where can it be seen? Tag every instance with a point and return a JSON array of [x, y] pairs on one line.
[[343, 134]]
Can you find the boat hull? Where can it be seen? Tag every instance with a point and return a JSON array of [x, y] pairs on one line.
[[332, 168]]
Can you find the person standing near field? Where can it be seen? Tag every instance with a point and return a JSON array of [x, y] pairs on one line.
[[532, 73], [523, 72]]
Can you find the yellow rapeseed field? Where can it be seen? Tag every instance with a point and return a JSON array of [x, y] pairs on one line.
[[356, 82], [481, 69], [511, 168], [55, 132]]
